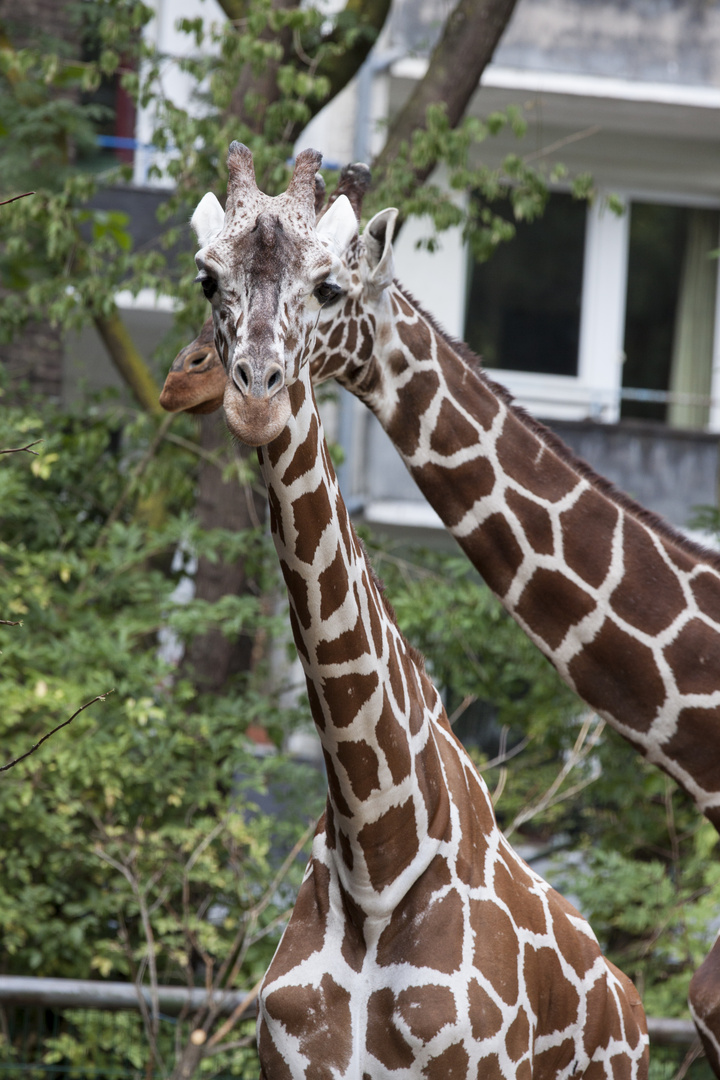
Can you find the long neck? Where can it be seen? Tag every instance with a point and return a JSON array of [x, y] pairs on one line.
[[373, 705], [627, 611]]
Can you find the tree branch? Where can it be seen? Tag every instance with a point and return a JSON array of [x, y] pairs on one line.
[[100, 697], [471, 34], [128, 361], [16, 197], [19, 449]]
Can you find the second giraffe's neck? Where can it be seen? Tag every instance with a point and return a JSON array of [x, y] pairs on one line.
[[626, 609], [373, 705]]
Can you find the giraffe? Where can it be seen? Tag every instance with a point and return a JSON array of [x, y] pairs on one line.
[[626, 608], [420, 945]]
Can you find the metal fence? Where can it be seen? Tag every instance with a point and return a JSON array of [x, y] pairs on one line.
[[68, 1029]]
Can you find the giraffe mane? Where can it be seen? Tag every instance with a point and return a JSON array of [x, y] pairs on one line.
[[553, 441]]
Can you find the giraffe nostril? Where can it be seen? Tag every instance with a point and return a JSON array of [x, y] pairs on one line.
[[273, 380]]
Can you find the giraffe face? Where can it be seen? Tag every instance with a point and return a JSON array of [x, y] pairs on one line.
[[361, 315], [267, 272]]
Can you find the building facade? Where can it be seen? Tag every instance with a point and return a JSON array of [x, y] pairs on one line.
[[605, 324]]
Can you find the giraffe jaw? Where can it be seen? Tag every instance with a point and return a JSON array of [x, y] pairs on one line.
[[256, 421]]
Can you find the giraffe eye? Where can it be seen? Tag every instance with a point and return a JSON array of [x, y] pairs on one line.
[[327, 292], [208, 285]]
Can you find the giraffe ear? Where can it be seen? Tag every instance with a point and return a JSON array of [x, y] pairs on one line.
[[208, 219], [338, 226], [378, 236]]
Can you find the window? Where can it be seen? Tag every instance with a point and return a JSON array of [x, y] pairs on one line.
[[523, 310], [670, 314]]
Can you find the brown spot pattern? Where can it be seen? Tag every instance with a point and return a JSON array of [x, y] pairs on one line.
[[452, 1064], [297, 588], [315, 705], [452, 431], [493, 546], [424, 929], [321, 1021], [453, 491], [404, 426], [277, 447], [303, 934], [517, 1040], [550, 604], [384, 1040], [694, 656], [335, 791], [390, 844], [556, 996], [392, 740], [361, 764], [706, 590], [531, 913], [304, 457], [696, 743], [649, 596], [495, 935], [429, 780], [311, 515], [618, 674], [416, 337], [602, 1015], [347, 694], [534, 521], [587, 531], [485, 1017], [427, 1010], [333, 586], [298, 636], [535, 467], [351, 644]]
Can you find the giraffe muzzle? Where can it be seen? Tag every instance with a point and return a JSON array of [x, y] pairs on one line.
[[262, 383], [257, 408]]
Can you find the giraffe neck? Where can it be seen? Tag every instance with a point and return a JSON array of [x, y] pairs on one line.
[[626, 610], [374, 708]]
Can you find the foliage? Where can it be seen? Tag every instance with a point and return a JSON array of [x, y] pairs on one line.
[[124, 832]]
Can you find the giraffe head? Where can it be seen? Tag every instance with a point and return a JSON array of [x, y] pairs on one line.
[[267, 271], [196, 380]]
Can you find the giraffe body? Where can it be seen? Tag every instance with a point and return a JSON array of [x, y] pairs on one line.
[[420, 945]]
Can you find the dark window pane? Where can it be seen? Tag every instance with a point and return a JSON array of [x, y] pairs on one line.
[[657, 241], [670, 319], [523, 309]]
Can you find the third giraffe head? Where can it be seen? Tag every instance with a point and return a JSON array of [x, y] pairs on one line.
[[267, 271]]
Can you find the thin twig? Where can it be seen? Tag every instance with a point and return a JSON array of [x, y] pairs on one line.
[[212, 456], [506, 755], [9, 622], [583, 746], [694, 1052], [235, 1015], [577, 136], [19, 449], [466, 702], [100, 697], [16, 197]]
